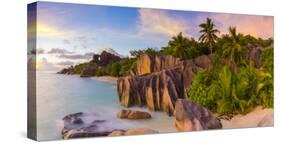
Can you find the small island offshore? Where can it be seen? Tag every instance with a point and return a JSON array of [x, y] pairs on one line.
[[128, 71]]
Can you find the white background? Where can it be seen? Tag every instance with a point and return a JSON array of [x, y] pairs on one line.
[[13, 86]]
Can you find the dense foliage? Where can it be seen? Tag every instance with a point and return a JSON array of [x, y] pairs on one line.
[[121, 68], [184, 48], [234, 84], [226, 92]]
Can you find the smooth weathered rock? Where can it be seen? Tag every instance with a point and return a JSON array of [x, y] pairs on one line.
[[140, 131], [130, 114], [81, 134], [94, 126], [192, 117], [105, 58], [255, 56], [202, 61], [148, 63], [160, 84], [116, 133], [74, 118], [79, 125]]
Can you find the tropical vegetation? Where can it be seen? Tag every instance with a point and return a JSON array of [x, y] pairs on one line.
[[234, 83]]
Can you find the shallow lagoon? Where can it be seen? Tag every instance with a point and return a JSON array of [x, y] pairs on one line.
[[60, 95]]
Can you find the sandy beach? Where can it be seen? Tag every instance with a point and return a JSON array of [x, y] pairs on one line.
[[106, 78], [259, 117]]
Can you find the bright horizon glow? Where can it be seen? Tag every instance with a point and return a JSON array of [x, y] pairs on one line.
[[75, 30]]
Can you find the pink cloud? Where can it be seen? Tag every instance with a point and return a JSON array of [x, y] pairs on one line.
[[157, 21], [258, 26]]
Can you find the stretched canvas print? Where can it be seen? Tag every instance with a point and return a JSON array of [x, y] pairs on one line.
[[98, 70]]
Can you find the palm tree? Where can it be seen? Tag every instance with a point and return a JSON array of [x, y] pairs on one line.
[[208, 33], [233, 34], [233, 49], [177, 45]]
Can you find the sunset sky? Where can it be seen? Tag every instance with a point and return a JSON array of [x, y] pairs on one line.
[[70, 33]]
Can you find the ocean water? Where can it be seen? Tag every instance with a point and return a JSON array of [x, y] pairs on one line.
[[60, 95]]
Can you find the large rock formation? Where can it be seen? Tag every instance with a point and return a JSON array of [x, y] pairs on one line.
[[130, 114], [159, 82], [88, 69], [192, 117], [148, 63], [105, 58]]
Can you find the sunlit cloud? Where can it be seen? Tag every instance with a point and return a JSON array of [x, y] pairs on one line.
[[44, 64], [258, 26], [45, 30], [157, 21]]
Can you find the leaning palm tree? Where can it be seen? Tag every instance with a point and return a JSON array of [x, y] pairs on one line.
[[208, 33]]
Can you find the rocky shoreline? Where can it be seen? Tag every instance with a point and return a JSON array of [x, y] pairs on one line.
[[160, 83], [79, 125], [188, 117]]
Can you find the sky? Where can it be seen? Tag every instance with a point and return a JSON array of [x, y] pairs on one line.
[[69, 34]]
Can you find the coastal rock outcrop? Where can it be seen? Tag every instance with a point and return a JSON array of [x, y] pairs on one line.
[[130, 114], [81, 133], [81, 124], [117, 133], [161, 80], [77, 125], [73, 118], [105, 58], [192, 117], [88, 69], [148, 63], [138, 131]]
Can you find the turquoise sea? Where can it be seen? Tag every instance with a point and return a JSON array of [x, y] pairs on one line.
[[60, 95]]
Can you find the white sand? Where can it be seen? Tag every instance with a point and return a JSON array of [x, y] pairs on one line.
[[106, 78], [257, 118]]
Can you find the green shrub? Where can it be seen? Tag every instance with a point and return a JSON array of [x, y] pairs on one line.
[[225, 92], [115, 69], [184, 48], [267, 59], [100, 72]]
